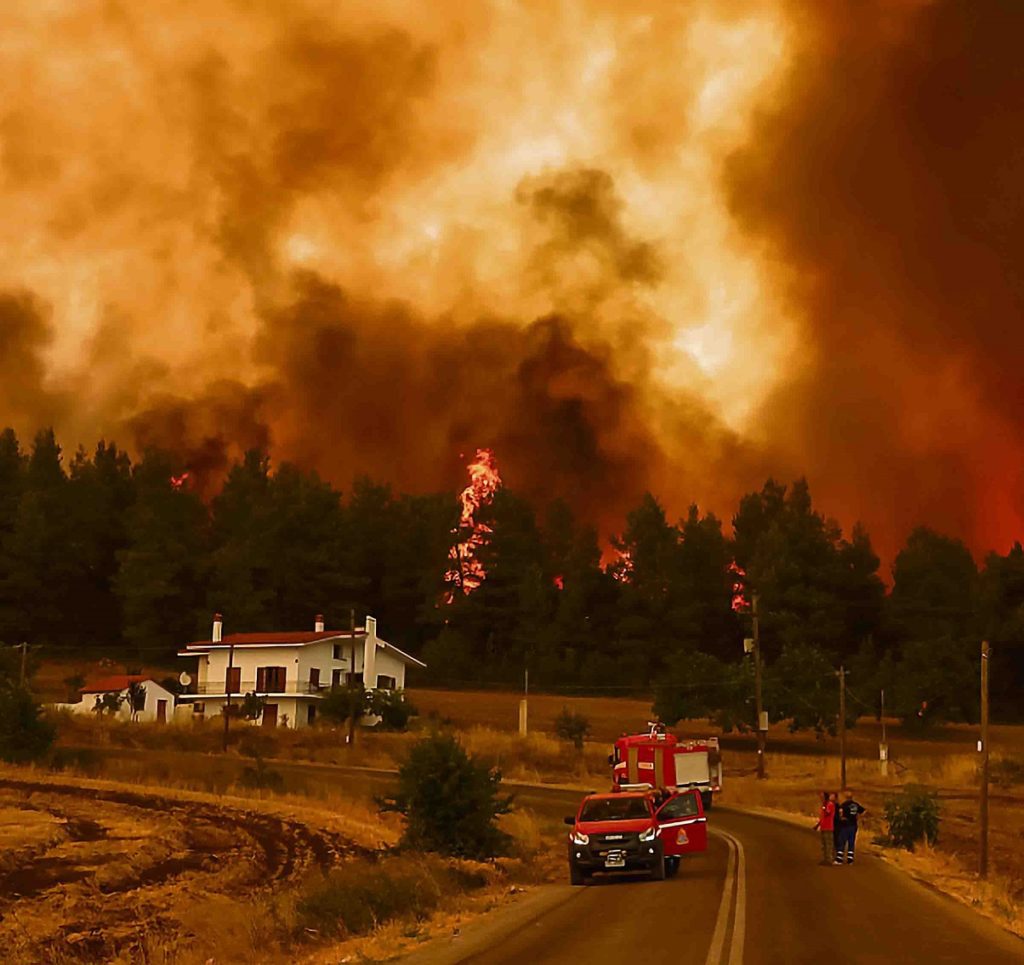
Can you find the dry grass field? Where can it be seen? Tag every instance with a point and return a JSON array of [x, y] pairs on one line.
[[188, 758]]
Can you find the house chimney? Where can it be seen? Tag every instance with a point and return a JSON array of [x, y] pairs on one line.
[[218, 626], [370, 655], [318, 626]]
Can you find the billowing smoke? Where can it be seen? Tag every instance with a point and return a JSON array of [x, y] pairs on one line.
[[676, 248], [886, 180]]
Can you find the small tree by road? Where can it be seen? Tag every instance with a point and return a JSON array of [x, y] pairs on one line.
[[25, 735], [450, 801], [572, 726], [345, 705]]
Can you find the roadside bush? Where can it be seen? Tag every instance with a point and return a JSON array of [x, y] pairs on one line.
[[259, 776], [572, 726], [392, 708], [450, 801], [358, 897], [85, 760], [1007, 771], [912, 816], [25, 734]]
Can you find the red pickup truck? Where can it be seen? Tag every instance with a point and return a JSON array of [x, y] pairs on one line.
[[635, 831]]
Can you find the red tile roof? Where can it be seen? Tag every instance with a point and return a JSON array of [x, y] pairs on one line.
[[282, 637], [117, 683]]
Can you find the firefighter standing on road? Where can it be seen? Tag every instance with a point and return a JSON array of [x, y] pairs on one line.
[[847, 816], [826, 825]]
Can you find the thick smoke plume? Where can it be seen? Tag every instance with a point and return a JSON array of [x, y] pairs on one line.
[[678, 248]]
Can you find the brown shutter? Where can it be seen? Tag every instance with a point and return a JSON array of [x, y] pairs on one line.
[[261, 680]]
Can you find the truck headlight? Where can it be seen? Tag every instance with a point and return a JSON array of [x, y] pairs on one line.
[[649, 835], [578, 837]]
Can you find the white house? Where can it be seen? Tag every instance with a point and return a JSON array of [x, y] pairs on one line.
[[158, 702], [291, 671]]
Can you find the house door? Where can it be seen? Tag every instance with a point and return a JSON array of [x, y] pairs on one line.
[[161, 711], [270, 715]]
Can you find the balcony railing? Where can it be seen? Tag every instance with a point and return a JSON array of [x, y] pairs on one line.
[[291, 687]]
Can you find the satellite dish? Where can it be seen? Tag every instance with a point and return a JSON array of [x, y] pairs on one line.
[[184, 679]]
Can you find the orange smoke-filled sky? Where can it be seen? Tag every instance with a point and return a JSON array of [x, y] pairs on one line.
[[673, 245]]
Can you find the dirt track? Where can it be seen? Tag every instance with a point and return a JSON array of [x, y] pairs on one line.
[[91, 872]]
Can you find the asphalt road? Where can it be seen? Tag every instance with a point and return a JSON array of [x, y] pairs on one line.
[[757, 897]]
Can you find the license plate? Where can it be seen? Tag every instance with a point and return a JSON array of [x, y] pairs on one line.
[[615, 861]]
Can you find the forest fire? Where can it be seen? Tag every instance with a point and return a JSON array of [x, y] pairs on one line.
[[740, 604], [178, 482], [466, 571], [615, 289]]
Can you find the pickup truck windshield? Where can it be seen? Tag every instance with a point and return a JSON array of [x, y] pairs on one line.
[[615, 809]]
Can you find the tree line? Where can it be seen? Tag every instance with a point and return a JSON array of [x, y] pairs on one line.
[[103, 555]]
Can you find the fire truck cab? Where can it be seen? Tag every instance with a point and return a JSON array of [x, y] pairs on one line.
[[660, 759], [635, 831]]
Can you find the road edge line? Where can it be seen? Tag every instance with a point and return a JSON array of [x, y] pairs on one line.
[[725, 905], [739, 920]]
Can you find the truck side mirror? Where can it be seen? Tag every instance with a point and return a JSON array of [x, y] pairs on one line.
[[570, 821], [611, 759]]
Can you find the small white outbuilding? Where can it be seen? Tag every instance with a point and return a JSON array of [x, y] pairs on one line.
[[157, 701]]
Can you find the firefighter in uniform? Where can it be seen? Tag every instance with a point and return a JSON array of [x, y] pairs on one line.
[[847, 816]]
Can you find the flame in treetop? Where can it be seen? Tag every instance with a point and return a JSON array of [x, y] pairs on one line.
[[466, 571]]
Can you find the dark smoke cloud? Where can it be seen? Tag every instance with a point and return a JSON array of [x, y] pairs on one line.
[[207, 433], [888, 180], [25, 334]]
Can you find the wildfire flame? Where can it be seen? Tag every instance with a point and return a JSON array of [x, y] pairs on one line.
[[740, 604], [622, 567], [177, 482], [559, 582], [466, 572]]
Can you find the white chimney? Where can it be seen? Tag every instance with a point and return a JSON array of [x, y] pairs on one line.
[[370, 655], [318, 626], [218, 627]]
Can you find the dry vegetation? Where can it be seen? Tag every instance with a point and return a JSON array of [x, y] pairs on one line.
[[189, 758]]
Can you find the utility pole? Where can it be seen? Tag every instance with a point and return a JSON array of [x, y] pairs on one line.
[[842, 728], [983, 747], [228, 682], [761, 735], [24, 652], [883, 748], [523, 712]]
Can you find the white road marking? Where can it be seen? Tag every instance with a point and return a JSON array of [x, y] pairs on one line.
[[736, 874], [725, 906], [739, 921]]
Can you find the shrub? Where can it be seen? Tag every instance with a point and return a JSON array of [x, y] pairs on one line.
[[572, 726], [392, 708], [1007, 771], [450, 801], [25, 735], [356, 898], [259, 775], [913, 815], [341, 704]]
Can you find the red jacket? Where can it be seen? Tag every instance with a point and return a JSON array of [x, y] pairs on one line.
[[827, 817]]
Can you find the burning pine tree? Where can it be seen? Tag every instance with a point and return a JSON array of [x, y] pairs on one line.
[[466, 571]]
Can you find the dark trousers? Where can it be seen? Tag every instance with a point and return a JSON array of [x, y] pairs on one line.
[[846, 840]]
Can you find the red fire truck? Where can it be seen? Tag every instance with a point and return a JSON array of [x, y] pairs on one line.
[[660, 760]]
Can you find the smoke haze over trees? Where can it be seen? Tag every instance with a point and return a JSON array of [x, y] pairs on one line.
[[661, 249], [103, 555]]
